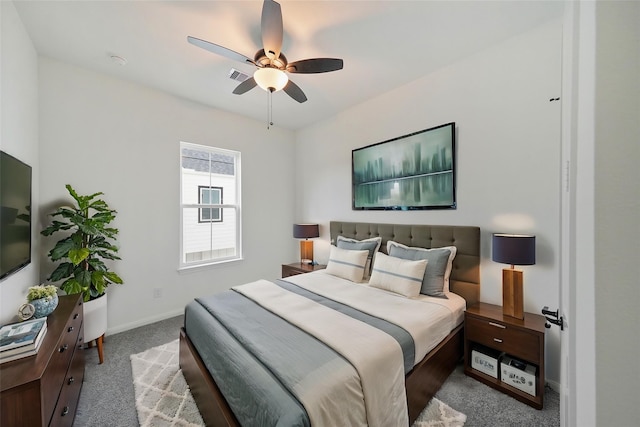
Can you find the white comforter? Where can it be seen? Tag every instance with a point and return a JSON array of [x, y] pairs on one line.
[[376, 396], [378, 393], [429, 320]]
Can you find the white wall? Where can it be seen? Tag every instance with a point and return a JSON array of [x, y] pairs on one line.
[[19, 137], [99, 133], [617, 211], [508, 157]]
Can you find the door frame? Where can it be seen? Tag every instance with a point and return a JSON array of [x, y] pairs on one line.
[[577, 253]]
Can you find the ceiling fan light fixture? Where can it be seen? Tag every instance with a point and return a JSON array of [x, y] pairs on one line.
[[270, 79]]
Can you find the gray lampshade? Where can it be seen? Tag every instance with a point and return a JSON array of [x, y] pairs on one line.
[[305, 231], [514, 249]]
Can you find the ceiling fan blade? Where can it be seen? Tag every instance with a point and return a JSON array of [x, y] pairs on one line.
[[245, 86], [217, 49], [294, 91], [315, 65], [272, 30]]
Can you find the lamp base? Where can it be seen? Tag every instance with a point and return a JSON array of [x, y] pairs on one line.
[[512, 293], [306, 251]]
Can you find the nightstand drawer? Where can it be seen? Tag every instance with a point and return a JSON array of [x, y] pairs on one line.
[[516, 342], [299, 268], [290, 272]]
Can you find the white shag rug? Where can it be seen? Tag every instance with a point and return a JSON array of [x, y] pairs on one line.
[[163, 397]]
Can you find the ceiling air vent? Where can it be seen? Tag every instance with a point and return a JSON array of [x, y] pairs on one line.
[[237, 75]]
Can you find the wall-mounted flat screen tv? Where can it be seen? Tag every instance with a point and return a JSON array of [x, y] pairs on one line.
[[410, 172], [15, 214]]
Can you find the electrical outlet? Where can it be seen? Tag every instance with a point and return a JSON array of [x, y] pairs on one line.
[[157, 292]]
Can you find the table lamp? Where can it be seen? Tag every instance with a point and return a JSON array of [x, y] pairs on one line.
[[514, 249], [305, 231]]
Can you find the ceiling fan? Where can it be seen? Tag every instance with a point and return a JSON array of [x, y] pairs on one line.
[[273, 66]]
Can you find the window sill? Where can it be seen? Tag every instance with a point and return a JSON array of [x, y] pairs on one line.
[[213, 264]]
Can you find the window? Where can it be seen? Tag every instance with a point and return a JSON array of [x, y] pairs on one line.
[[210, 196], [210, 205]]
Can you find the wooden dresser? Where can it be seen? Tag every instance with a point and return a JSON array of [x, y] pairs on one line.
[[43, 390]]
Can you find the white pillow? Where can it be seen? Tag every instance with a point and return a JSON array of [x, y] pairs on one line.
[[372, 245], [348, 264], [398, 275]]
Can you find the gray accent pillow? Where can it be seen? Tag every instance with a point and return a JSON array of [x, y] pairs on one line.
[[372, 245], [434, 274]]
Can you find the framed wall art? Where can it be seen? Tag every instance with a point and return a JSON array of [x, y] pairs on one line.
[[410, 172]]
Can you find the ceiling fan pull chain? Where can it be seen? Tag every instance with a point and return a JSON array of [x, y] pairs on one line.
[[269, 108]]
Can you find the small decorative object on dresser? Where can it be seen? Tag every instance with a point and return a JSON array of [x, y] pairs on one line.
[[26, 311], [43, 390], [519, 344], [44, 299], [300, 268]]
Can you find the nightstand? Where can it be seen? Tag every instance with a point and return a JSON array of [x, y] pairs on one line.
[[300, 268], [523, 339]]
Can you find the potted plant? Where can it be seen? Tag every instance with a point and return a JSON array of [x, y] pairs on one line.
[[88, 241], [44, 299]]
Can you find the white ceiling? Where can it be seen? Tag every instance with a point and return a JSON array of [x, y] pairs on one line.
[[384, 44]]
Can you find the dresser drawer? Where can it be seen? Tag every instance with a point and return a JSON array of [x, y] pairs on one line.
[[516, 342], [60, 360], [65, 410]]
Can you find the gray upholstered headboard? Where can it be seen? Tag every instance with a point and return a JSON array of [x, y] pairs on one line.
[[465, 274]]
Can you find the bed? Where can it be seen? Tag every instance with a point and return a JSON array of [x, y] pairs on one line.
[[420, 376]]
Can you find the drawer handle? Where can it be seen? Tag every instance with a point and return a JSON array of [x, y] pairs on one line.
[[63, 348], [70, 329], [498, 325], [497, 340], [65, 411], [75, 316], [71, 381]]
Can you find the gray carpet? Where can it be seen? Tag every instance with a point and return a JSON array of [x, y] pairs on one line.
[[163, 397], [108, 398], [487, 407]]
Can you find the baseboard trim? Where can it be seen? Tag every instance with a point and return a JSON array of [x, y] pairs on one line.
[[555, 386], [145, 321]]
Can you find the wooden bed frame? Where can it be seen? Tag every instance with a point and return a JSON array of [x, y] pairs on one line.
[[427, 376]]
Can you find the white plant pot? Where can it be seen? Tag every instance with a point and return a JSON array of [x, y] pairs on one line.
[[95, 318]]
